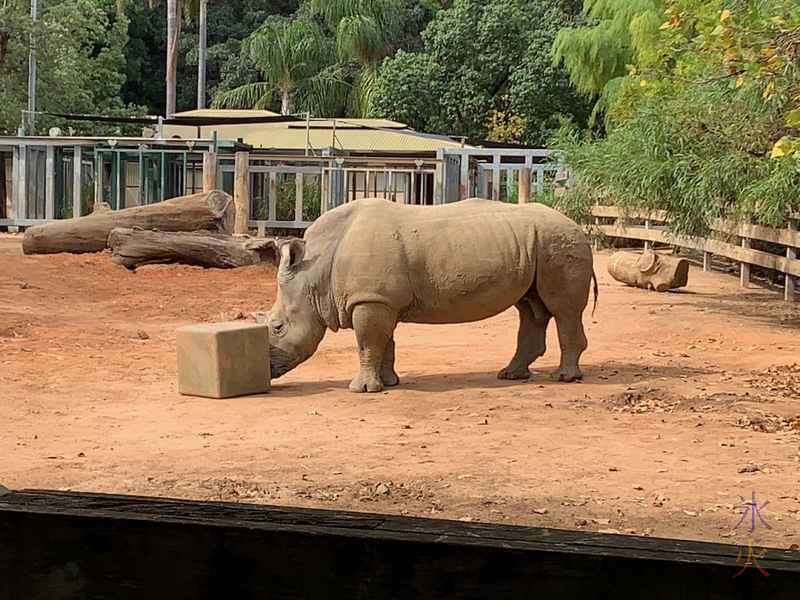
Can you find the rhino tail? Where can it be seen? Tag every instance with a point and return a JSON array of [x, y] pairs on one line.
[[594, 279]]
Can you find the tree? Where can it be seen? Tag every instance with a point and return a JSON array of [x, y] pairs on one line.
[[692, 124], [294, 57], [364, 32], [79, 66], [485, 67], [599, 54]]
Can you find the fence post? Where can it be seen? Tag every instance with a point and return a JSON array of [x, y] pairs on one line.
[[707, 261], [496, 178], [744, 272], [464, 187], [648, 245], [77, 181], [209, 171], [273, 196], [524, 190], [789, 282], [298, 197], [241, 192], [49, 184]]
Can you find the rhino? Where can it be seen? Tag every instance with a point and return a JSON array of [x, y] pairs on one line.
[[372, 263]]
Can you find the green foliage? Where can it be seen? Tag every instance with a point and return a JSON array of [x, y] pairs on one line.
[[79, 62], [285, 201], [692, 124], [229, 22], [619, 33], [481, 58]]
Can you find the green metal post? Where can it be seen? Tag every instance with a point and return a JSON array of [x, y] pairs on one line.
[[185, 159], [98, 175], [162, 158]]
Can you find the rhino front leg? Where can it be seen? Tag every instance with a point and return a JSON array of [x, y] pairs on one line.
[[374, 326], [388, 375], [533, 320]]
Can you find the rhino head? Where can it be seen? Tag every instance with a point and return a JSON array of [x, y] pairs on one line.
[[295, 326]]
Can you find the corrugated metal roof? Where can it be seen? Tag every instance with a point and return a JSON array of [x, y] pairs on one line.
[[225, 112], [375, 135]]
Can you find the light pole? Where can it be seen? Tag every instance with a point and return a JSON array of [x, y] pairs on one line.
[[32, 72]]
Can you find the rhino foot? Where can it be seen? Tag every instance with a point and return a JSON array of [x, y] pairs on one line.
[[567, 374], [514, 373], [366, 383], [390, 380]]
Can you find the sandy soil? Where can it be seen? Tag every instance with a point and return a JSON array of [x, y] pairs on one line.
[[678, 415]]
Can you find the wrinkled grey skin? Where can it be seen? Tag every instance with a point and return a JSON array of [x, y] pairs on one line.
[[372, 263]]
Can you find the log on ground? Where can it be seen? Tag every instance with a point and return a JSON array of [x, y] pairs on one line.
[[207, 211], [649, 270], [133, 248]]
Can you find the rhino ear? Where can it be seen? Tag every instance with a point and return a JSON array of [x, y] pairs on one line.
[[292, 253]]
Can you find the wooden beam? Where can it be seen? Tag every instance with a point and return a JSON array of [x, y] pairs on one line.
[[753, 257], [209, 171], [298, 197], [744, 268], [273, 196], [707, 256], [786, 237], [464, 191], [241, 191], [524, 189], [438, 178], [77, 181], [496, 178], [70, 545], [790, 283]]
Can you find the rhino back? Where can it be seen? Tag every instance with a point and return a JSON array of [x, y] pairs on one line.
[[451, 263]]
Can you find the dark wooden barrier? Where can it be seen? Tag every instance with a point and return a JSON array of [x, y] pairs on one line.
[[92, 546]]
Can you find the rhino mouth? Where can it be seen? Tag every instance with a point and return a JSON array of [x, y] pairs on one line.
[[280, 364]]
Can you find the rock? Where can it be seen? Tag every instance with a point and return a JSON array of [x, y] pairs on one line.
[[234, 315], [381, 489], [142, 335]]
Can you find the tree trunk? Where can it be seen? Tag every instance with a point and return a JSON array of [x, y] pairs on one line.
[[173, 22], [207, 211], [134, 248], [286, 103], [201, 55], [649, 270]]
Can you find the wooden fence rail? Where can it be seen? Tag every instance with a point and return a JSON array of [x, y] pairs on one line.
[[608, 220]]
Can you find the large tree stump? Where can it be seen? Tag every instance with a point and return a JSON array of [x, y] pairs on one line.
[[649, 270], [133, 248], [207, 211]]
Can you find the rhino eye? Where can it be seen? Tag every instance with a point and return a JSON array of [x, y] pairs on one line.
[[278, 327]]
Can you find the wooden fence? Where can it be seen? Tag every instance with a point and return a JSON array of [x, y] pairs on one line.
[[608, 220]]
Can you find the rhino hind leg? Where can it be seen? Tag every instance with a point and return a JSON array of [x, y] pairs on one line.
[[572, 340], [374, 326], [566, 298], [533, 320], [388, 375]]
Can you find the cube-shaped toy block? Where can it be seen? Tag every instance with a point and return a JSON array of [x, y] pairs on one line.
[[223, 360]]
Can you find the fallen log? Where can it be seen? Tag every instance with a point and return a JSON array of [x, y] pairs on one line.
[[206, 211], [132, 248], [649, 270]]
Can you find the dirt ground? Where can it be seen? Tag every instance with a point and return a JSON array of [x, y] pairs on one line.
[[689, 401]]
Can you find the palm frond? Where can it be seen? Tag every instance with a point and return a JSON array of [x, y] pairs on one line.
[[251, 95], [359, 37]]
